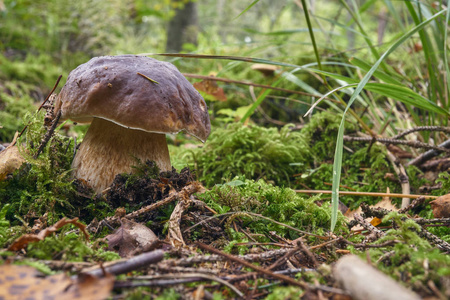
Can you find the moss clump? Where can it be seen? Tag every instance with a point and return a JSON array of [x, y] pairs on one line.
[[68, 247], [288, 158], [43, 184], [276, 203], [412, 260], [252, 151], [320, 135]]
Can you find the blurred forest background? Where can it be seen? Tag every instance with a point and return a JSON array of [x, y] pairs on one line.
[[41, 39], [321, 51]]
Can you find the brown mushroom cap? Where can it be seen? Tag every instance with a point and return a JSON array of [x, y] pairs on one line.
[[109, 87]]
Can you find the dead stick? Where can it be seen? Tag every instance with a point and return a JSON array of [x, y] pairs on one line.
[[368, 226], [422, 128], [428, 221], [46, 99], [131, 264], [48, 135], [183, 194], [414, 144], [48, 96], [366, 194], [173, 279], [427, 155], [252, 266], [416, 202]]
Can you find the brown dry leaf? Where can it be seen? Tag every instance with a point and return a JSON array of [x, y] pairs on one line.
[[89, 287], [129, 236], [10, 160], [375, 221], [24, 282], [25, 239], [441, 206], [210, 87]]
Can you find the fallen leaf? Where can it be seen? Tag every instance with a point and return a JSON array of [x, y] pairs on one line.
[[25, 239], [24, 282], [375, 221], [441, 206], [10, 160], [131, 235], [210, 87]]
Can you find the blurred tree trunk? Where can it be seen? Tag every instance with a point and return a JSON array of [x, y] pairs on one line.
[[183, 28]]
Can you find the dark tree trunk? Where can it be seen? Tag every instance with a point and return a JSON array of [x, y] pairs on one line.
[[183, 28]]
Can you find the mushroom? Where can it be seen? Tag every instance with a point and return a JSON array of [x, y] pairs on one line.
[[131, 102], [266, 70]]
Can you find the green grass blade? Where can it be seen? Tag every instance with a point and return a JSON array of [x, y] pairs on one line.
[[429, 53], [337, 165], [406, 96], [245, 10], [225, 57], [311, 33], [388, 78], [447, 68]]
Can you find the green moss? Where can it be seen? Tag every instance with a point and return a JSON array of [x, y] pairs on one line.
[[43, 184], [321, 133], [279, 204], [253, 151], [285, 293], [68, 246], [410, 255]]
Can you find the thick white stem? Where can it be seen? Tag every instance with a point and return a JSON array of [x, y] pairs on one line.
[[109, 149]]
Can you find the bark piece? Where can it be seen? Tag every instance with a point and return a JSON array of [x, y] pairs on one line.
[[364, 282]]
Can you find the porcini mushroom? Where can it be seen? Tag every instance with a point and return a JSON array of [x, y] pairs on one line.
[[131, 102]]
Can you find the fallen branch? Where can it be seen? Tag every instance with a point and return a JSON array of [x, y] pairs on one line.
[[414, 144], [428, 155], [365, 194], [257, 216], [174, 279], [132, 264], [48, 135], [416, 202], [261, 270], [422, 128], [372, 229], [198, 259], [187, 191]]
